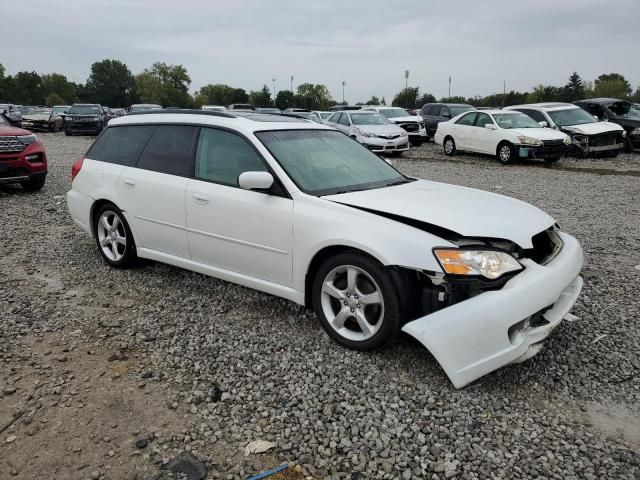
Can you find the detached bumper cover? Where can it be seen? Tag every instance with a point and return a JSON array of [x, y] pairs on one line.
[[475, 337]]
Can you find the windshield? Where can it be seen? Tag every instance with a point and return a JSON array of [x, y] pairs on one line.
[[59, 109], [3, 121], [571, 116], [325, 115], [458, 109], [515, 120], [394, 112], [142, 108], [308, 115], [624, 109], [85, 109], [325, 162], [369, 119], [28, 110]]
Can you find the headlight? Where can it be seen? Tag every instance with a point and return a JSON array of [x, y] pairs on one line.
[[567, 140], [404, 134], [529, 141], [28, 139], [624, 132], [635, 131], [365, 134], [490, 264]]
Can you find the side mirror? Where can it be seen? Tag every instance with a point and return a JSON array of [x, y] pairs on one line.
[[255, 180], [596, 117], [490, 126], [543, 124]]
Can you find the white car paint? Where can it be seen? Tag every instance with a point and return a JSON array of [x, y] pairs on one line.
[[378, 138], [418, 135], [268, 242], [486, 140]]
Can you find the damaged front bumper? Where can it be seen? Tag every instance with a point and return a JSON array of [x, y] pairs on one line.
[[495, 328]]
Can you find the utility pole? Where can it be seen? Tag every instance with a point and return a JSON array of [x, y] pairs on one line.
[[274, 90], [291, 83], [343, 84], [406, 89]]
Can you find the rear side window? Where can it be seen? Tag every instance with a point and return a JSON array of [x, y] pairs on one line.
[[344, 119], [222, 156], [121, 145], [169, 150], [467, 119]]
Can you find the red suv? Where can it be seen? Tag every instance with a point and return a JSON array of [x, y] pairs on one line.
[[22, 157]]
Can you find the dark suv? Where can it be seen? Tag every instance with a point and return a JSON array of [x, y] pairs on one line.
[[434, 113], [85, 118], [621, 112]]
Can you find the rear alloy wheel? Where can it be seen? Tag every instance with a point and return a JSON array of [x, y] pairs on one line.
[[356, 302], [114, 237], [505, 153], [449, 146]]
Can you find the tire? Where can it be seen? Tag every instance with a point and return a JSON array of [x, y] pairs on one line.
[[449, 146], [505, 153], [628, 145], [34, 183], [114, 238], [338, 291], [68, 133]]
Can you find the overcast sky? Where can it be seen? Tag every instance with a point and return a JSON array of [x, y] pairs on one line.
[[367, 43]]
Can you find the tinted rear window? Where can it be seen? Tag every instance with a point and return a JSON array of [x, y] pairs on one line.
[[170, 150], [121, 145]]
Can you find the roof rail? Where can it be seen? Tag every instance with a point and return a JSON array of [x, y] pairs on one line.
[[184, 110]]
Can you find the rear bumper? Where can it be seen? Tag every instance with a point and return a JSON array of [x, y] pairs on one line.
[[79, 205], [481, 334]]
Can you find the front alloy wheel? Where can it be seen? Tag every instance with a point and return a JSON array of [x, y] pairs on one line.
[[356, 302], [449, 146], [505, 153], [114, 237]]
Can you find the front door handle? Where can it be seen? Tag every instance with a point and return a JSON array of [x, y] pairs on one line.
[[201, 199], [129, 183]]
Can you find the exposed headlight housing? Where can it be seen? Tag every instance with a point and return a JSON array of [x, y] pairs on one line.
[[567, 140], [487, 263], [28, 139], [624, 132], [529, 141], [635, 131]]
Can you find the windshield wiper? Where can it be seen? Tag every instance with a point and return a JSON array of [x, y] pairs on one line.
[[399, 182]]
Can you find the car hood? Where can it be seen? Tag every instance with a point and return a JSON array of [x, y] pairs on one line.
[[466, 211], [406, 119], [7, 131], [539, 133], [36, 116], [381, 129], [593, 128]]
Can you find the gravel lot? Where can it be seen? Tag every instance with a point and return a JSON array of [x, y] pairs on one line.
[[93, 360]]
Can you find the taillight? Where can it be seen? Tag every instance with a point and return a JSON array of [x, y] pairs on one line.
[[75, 168]]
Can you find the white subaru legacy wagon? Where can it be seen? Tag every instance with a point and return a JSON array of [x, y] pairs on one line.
[[302, 211]]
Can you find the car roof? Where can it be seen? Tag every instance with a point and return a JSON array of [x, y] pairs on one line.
[[448, 104], [246, 122], [601, 100], [545, 106]]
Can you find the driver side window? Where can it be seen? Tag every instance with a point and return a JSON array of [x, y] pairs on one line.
[[222, 156], [483, 119], [344, 119]]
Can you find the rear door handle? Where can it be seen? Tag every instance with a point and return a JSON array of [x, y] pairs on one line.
[[201, 199], [129, 183]]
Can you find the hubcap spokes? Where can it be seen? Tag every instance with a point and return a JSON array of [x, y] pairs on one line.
[[505, 154], [352, 303], [112, 236]]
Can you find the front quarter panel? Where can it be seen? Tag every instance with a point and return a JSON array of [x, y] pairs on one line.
[[320, 223]]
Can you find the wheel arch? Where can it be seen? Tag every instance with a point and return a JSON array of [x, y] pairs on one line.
[[97, 204]]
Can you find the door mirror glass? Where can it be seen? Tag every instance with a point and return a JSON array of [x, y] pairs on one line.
[[490, 126], [255, 180], [543, 124]]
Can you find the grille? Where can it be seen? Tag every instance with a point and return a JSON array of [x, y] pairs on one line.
[[552, 143], [388, 137], [410, 127], [603, 139], [11, 145], [546, 246]]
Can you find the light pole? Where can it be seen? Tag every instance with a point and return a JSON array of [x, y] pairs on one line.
[[343, 84], [291, 83], [406, 89], [274, 90], [449, 86]]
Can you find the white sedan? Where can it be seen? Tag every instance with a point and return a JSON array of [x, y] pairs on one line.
[[506, 134], [371, 129], [299, 210]]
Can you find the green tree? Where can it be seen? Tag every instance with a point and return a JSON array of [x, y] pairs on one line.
[[56, 84], [285, 99], [2, 83], [313, 97], [545, 93], [54, 99], [261, 98], [612, 85], [574, 89], [25, 88], [111, 83], [220, 94], [166, 85], [383, 102], [454, 99], [373, 101], [406, 98], [424, 99]]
